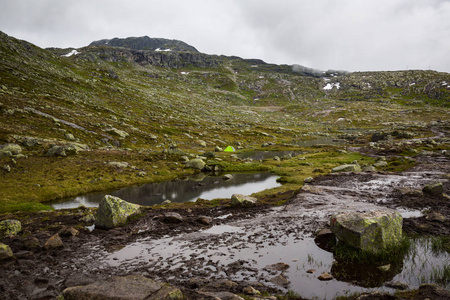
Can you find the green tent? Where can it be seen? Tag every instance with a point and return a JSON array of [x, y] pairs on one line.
[[229, 149]]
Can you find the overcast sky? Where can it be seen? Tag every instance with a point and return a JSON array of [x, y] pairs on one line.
[[353, 35]]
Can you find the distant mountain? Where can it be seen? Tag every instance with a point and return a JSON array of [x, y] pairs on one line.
[[146, 43]]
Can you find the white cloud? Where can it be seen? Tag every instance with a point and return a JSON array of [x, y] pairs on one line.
[[322, 34]]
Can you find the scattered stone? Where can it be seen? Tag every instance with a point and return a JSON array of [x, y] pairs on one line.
[[370, 231], [88, 219], [218, 149], [204, 220], [380, 164], [166, 202], [120, 133], [369, 169], [141, 174], [10, 228], [280, 280], [54, 242], [347, 168], [434, 189], [308, 180], [5, 251], [384, 268], [278, 267], [325, 277], [201, 143], [128, 287], [113, 212], [31, 243], [249, 290], [119, 164], [69, 136], [7, 168], [311, 189], [196, 163], [227, 177], [68, 231], [311, 271], [172, 217], [397, 285], [435, 216], [10, 149], [242, 200]]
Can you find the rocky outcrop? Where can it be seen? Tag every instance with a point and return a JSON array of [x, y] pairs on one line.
[[113, 212], [132, 287], [370, 231], [145, 43]]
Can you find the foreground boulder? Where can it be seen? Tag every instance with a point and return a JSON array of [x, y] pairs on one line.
[[113, 212], [10, 228], [132, 287], [370, 231], [196, 163]]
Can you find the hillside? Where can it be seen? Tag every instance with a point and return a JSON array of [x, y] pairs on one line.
[[120, 99]]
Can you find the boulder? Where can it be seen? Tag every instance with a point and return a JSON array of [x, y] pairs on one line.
[[172, 217], [434, 189], [370, 231], [54, 242], [132, 287], [5, 251], [113, 212], [13, 149], [347, 168], [10, 228], [196, 163], [242, 200], [117, 132]]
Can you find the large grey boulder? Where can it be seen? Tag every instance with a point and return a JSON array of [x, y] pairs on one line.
[[114, 212], [369, 231], [132, 287]]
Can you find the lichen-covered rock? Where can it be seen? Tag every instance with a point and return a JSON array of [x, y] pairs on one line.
[[113, 212], [128, 287], [196, 163], [10, 228], [370, 231], [120, 133], [347, 168], [242, 200], [5, 251]]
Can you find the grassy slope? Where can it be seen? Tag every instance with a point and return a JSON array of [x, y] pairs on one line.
[[237, 101]]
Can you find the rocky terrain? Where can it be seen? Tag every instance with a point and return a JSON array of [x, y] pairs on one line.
[[124, 112]]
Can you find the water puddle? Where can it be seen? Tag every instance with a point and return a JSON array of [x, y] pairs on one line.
[[211, 187], [236, 254]]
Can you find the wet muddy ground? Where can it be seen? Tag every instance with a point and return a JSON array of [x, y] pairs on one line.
[[269, 248]]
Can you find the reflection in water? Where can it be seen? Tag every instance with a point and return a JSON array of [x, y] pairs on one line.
[[321, 141], [209, 188]]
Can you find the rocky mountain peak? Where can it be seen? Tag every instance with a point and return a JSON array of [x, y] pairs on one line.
[[146, 43]]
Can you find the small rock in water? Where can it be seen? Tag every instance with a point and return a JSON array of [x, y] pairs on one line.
[[310, 271], [397, 285], [280, 280], [325, 277]]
